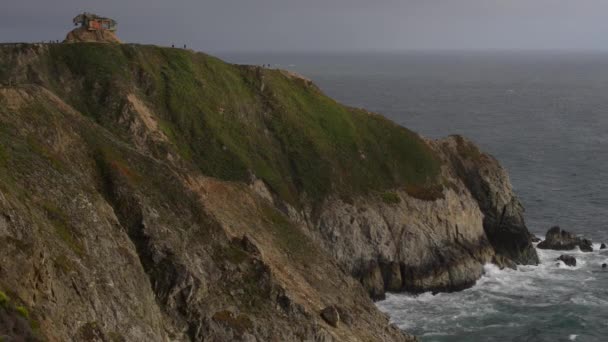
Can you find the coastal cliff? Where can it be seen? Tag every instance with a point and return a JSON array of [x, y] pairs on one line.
[[150, 193]]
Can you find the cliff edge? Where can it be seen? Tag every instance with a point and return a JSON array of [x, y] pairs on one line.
[[151, 193]]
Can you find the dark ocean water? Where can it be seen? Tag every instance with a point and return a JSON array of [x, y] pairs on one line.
[[545, 117]]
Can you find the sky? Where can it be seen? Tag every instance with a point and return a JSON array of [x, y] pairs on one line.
[[325, 25]]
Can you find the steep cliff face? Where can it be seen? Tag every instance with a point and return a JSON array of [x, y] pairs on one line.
[[489, 183], [158, 194]]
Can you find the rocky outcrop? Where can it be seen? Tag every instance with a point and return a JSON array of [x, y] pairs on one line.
[[331, 315], [561, 240], [489, 184], [82, 35], [430, 244], [97, 250], [569, 260], [200, 200], [413, 245]]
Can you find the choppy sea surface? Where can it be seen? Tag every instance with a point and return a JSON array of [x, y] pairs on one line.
[[544, 115]]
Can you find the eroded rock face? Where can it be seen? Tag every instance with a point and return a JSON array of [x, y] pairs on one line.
[[412, 245], [489, 184], [561, 240], [419, 245]]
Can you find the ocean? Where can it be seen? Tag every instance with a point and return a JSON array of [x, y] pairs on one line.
[[544, 116]]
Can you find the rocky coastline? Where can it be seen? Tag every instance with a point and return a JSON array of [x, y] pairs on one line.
[[133, 207]]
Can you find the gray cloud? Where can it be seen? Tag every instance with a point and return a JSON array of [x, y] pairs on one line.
[[215, 25]]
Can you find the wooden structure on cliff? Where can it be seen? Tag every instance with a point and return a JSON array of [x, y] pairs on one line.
[[93, 22]]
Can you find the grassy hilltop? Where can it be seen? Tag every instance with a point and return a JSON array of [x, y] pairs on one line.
[[233, 121]]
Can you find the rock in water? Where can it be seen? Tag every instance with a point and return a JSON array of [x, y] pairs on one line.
[[586, 245], [569, 260], [603, 246], [561, 240], [604, 265], [331, 316]]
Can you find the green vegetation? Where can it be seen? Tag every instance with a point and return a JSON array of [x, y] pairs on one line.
[[390, 198], [286, 236], [235, 121], [3, 299], [22, 311]]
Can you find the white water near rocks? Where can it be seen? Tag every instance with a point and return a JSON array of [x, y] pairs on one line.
[[545, 117], [549, 302]]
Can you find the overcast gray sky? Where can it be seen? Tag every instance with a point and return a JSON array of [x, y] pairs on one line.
[[288, 25]]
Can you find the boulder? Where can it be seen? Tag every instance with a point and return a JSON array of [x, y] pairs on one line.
[[586, 245], [603, 246], [569, 260], [604, 265], [331, 316], [561, 240]]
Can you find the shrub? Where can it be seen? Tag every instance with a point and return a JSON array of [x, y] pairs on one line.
[[390, 198], [22, 310]]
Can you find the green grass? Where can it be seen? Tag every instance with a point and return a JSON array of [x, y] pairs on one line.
[[390, 198], [303, 144]]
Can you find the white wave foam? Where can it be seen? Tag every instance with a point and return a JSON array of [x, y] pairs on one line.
[[503, 298]]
